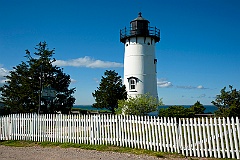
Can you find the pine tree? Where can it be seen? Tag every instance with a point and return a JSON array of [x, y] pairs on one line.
[[110, 90], [198, 108], [228, 103], [22, 91]]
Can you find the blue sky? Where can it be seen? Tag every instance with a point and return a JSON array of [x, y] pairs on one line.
[[198, 54]]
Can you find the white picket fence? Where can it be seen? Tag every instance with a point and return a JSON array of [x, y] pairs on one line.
[[199, 137]]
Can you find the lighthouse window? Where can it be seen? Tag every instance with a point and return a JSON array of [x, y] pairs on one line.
[[132, 84], [155, 61], [134, 25]]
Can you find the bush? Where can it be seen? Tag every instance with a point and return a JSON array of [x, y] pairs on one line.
[[176, 111], [140, 105]]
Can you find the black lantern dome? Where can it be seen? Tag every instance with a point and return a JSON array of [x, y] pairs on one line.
[[139, 27]]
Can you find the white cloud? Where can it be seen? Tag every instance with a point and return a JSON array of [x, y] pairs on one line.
[[88, 62], [3, 73], [96, 80], [186, 87], [191, 87], [200, 87], [163, 83], [202, 96], [73, 80]]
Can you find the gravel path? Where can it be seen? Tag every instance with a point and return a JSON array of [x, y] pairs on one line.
[[57, 153]]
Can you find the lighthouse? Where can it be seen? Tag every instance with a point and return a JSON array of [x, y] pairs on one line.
[[140, 63]]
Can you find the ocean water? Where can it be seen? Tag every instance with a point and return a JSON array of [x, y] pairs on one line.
[[209, 108]]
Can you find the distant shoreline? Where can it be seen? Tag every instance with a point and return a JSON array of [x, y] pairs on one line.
[[209, 108]]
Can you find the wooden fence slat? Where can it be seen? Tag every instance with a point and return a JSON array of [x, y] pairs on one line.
[[198, 141], [116, 130], [209, 140], [234, 137], [127, 131], [61, 128], [110, 130], [225, 131], [121, 133], [185, 135], [152, 135], [137, 134], [156, 135], [159, 134], [180, 135], [221, 137], [166, 134], [147, 125], [189, 137], [130, 131], [169, 122], [200, 125], [213, 137], [238, 138], [163, 146], [217, 137], [192, 138], [141, 133], [176, 137], [230, 137]]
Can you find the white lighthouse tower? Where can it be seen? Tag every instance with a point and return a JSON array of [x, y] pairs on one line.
[[139, 58]]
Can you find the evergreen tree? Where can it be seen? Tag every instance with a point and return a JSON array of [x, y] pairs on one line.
[[198, 108], [110, 90], [22, 91], [228, 103]]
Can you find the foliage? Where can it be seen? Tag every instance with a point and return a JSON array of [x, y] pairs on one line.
[[5, 110], [110, 90], [176, 111], [23, 88], [139, 105], [228, 103], [197, 108], [182, 112]]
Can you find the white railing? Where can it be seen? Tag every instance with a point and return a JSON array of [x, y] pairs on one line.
[[200, 137]]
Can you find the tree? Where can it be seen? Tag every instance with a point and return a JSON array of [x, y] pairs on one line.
[[110, 90], [176, 111], [228, 103], [140, 105], [22, 92], [198, 108], [182, 112]]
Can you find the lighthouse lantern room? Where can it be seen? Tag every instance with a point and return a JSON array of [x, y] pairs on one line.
[[139, 57]]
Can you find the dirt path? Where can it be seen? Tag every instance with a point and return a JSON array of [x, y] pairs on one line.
[[56, 153]]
